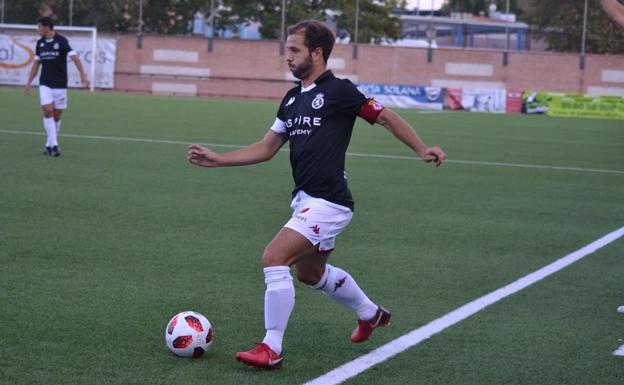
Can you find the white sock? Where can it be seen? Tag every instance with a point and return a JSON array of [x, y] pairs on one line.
[[338, 285], [279, 301], [58, 126], [48, 124]]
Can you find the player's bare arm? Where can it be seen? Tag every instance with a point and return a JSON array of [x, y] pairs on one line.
[[406, 134], [83, 75], [258, 152], [33, 72], [615, 11]]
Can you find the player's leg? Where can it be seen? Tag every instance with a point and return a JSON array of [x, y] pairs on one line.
[[60, 104], [279, 297], [340, 286], [47, 105], [57, 119]]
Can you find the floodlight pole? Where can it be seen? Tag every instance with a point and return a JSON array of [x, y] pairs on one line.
[[1, 11], [140, 29], [71, 12], [357, 29], [431, 34], [283, 30], [506, 53], [584, 39], [212, 27]]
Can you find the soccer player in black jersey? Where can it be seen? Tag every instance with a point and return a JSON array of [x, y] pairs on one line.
[[51, 54], [317, 119]]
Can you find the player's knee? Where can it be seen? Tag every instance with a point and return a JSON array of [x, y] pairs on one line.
[[272, 257]]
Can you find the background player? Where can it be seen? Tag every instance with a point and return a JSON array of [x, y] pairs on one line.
[[51, 53], [317, 119]]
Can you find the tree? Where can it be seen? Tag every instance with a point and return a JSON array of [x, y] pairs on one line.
[[376, 22], [560, 23]]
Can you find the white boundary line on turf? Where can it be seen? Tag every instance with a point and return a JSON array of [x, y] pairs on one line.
[[416, 336], [356, 154]]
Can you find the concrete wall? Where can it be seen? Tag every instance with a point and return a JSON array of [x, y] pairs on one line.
[[254, 69]]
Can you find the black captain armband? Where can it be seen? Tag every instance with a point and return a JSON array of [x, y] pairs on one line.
[[370, 110]]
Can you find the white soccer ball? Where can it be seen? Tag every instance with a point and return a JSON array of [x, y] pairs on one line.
[[189, 334]]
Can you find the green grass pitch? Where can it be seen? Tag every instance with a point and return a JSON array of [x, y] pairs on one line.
[[100, 247]]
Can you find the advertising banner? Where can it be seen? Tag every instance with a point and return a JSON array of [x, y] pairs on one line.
[[535, 102], [402, 96], [17, 54], [578, 105], [453, 98], [514, 102], [484, 100]]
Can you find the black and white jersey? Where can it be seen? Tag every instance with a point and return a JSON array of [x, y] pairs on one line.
[[318, 121], [53, 53]]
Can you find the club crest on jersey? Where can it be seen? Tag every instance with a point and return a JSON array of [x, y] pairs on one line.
[[290, 101], [56, 46], [318, 101]]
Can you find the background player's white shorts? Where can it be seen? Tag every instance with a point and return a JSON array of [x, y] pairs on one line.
[[55, 96], [318, 220]]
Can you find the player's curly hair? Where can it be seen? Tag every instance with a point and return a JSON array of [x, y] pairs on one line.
[[46, 22], [315, 35]]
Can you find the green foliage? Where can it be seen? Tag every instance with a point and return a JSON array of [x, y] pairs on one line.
[[176, 16], [561, 24]]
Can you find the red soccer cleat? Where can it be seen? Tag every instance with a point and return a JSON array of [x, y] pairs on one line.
[[365, 328], [262, 356]]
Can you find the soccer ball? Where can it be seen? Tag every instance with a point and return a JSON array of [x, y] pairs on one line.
[[188, 334]]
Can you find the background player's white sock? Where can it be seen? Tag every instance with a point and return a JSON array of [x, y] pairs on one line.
[[58, 125], [338, 285], [279, 301], [48, 124]]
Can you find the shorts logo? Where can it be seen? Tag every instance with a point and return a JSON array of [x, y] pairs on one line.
[[318, 101], [315, 229], [304, 210], [290, 101]]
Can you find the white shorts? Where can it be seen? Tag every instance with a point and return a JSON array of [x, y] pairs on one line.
[[56, 96], [318, 220]]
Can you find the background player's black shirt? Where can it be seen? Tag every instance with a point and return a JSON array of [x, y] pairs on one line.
[[319, 123], [53, 57]]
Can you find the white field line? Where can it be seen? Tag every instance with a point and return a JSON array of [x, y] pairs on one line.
[[619, 351], [416, 336], [356, 154]]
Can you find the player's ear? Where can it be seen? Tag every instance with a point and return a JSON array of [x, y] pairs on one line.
[[317, 53]]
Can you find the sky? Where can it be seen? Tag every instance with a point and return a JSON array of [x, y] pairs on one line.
[[424, 4]]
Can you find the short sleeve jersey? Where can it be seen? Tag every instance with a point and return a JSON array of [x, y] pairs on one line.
[[53, 57], [318, 122]]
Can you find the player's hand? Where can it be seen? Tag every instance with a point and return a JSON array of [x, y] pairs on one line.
[[27, 90], [202, 156], [435, 155], [84, 80]]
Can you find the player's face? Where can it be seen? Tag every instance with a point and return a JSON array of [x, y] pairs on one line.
[[298, 57], [43, 30]]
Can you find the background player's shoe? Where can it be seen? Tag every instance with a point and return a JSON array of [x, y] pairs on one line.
[[47, 151], [365, 328], [262, 356], [55, 151]]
